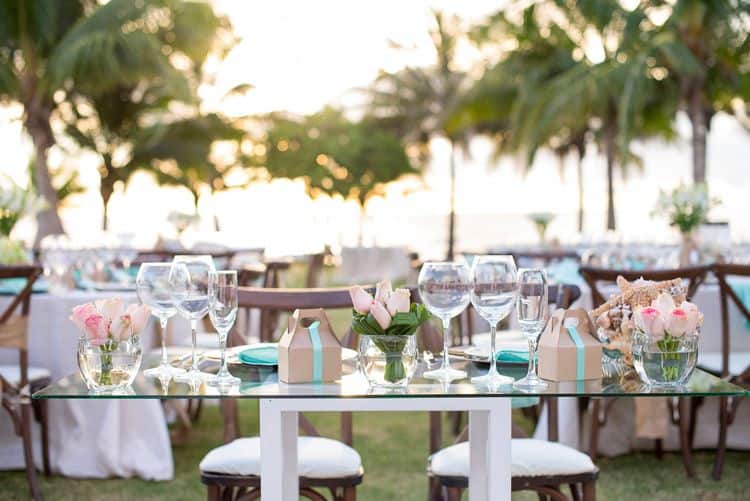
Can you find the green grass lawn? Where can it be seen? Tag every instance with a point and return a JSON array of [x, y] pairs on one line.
[[393, 448]]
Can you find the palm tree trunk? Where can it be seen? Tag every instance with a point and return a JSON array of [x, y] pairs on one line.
[[698, 122], [579, 172], [106, 189], [452, 214], [609, 145], [38, 127]]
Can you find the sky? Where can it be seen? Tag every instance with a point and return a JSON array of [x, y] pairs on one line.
[[301, 55]]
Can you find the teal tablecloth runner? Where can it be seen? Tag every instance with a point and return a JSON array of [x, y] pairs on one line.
[[12, 286]]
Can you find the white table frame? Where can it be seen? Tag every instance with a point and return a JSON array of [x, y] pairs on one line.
[[489, 438]]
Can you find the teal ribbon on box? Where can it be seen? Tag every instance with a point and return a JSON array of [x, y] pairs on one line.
[[317, 348], [580, 351]]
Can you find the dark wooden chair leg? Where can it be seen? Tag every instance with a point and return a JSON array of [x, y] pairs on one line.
[[28, 453], [575, 492], [231, 420], [589, 491], [44, 424], [350, 494], [721, 447], [683, 413], [659, 448], [214, 493], [594, 440], [456, 421], [695, 404], [454, 494]]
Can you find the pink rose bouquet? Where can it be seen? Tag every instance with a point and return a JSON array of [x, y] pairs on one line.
[[107, 322]]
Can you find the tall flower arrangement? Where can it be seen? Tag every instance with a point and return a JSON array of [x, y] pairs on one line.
[[686, 207], [15, 202]]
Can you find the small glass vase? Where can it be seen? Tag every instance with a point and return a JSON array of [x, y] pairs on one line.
[[665, 362], [110, 366], [388, 361]]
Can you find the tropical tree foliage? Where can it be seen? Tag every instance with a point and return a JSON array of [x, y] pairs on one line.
[[416, 103]]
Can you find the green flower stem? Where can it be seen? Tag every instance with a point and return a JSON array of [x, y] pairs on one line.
[[394, 365], [105, 377], [669, 345]]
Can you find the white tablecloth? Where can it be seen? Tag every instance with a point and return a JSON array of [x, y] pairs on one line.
[[96, 439], [618, 435]]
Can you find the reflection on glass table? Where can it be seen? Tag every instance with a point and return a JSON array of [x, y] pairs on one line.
[[262, 382]]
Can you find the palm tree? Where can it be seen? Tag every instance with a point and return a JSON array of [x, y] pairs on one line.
[[416, 103], [50, 51]]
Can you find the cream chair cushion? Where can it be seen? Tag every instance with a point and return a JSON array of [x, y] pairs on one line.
[[529, 458], [12, 373], [318, 457]]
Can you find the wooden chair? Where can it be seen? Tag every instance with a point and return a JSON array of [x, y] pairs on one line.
[[539, 257], [737, 372], [225, 486], [18, 382], [553, 464], [684, 417]]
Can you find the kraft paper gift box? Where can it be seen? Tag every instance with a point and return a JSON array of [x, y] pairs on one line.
[[568, 349], [309, 351]]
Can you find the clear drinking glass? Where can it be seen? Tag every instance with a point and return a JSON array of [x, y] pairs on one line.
[[445, 289], [189, 279], [493, 294], [532, 316], [222, 300], [153, 289]]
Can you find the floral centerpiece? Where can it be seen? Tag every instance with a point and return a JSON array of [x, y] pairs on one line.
[[12, 252], [109, 352], [665, 344], [541, 222], [686, 207], [15, 202], [386, 323]]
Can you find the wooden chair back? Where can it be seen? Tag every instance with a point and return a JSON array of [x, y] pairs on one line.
[[14, 326], [694, 275], [724, 272]]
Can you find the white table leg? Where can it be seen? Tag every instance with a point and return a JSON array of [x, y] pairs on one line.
[[489, 443], [278, 452]]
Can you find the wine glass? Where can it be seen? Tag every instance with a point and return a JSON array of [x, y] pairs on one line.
[[222, 309], [444, 289], [189, 281], [153, 289], [532, 316], [493, 293]]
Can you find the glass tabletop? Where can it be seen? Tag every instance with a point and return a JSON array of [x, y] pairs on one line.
[[262, 382]]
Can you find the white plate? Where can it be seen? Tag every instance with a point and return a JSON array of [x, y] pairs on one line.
[[482, 340]]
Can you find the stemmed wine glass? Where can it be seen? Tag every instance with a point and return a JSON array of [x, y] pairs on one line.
[[153, 289], [222, 300], [444, 289], [532, 316], [189, 281], [493, 294]]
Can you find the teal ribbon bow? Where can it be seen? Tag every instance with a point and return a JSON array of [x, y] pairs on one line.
[[580, 351], [317, 348]]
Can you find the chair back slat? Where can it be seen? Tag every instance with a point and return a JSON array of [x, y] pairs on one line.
[[694, 275], [723, 273]]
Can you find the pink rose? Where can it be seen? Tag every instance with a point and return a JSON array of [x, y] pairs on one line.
[[649, 321], [96, 329], [80, 313], [381, 315], [383, 292], [694, 316], [361, 299], [121, 327], [677, 323], [399, 302], [139, 315], [110, 309]]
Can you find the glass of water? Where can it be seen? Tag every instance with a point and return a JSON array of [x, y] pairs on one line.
[[222, 309], [189, 279], [493, 293], [444, 290], [532, 316]]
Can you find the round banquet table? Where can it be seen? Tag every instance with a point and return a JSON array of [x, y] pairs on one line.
[[618, 435], [87, 438]]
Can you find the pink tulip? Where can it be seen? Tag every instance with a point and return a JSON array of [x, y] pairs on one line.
[[96, 329], [80, 313], [383, 292], [381, 315], [664, 303], [361, 299], [110, 309], [139, 315], [649, 321], [399, 302], [694, 316], [678, 322]]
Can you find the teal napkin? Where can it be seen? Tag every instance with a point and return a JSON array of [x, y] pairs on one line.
[[12, 286], [260, 355], [513, 356], [741, 287]]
